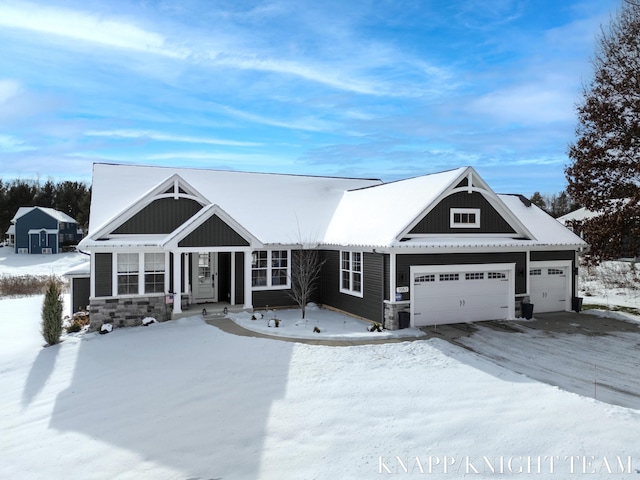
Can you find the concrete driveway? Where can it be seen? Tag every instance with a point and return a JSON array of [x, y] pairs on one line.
[[578, 352]]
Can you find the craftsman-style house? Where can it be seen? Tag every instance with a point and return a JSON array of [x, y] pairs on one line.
[[439, 248]]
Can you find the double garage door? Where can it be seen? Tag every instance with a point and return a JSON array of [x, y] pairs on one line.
[[462, 293]]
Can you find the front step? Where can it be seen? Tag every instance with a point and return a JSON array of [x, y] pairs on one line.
[[209, 311]]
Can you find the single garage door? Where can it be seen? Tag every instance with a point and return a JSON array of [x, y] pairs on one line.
[[549, 286], [459, 295]]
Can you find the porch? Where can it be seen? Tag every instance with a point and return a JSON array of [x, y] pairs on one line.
[[208, 311]]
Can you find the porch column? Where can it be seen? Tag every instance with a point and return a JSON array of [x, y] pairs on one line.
[[392, 277], [177, 279], [185, 272], [232, 300], [248, 297]]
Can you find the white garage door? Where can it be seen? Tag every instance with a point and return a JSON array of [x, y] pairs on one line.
[[549, 286], [461, 295]]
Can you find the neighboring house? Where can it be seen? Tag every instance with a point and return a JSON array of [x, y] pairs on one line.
[[42, 230], [573, 220], [10, 236], [435, 249]]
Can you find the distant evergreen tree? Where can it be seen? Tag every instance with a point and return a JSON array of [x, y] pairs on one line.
[[538, 201], [45, 195], [605, 172], [72, 198], [52, 313]]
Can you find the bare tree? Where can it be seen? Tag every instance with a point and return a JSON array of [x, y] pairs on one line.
[[306, 267]]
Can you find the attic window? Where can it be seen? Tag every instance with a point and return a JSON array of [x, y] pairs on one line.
[[465, 218]]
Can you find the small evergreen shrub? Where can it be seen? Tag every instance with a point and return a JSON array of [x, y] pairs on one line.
[[52, 313], [74, 327]]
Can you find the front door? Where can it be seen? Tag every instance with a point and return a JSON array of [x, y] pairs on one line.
[[205, 274]]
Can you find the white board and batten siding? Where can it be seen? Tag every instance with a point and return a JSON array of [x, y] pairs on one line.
[[550, 286], [445, 294]]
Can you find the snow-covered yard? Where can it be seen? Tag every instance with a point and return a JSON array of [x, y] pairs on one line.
[[184, 400]]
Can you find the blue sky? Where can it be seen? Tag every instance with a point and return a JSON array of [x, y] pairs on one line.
[[380, 88]]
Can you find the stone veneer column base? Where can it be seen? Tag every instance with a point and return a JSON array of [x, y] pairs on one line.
[[127, 312], [391, 310]]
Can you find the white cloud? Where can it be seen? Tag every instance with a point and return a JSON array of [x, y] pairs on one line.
[[87, 27], [10, 144], [308, 123], [320, 74], [162, 137], [527, 104], [9, 89]]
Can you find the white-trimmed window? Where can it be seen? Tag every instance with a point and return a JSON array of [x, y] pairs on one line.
[[128, 270], [351, 273], [154, 272], [465, 218], [270, 269]]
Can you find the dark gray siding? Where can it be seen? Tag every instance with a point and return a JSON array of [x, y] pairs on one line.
[[214, 233], [272, 298], [80, 293], [103, 274], [240, 278], [403, 262], [371, 305], [163, 215], [553, 255], [438, 220], [387, 276]]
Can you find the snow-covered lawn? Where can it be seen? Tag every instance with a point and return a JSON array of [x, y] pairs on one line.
[[317, 324], [184, 400]]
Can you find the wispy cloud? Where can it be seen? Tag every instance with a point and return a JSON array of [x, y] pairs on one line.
[[350, 73], [86, 27], [308, 123], [9, 143], [164, 137]]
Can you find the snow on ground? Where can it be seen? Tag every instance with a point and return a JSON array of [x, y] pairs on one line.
[[184, 400], [610, 284], [318, 323], [24, 264]]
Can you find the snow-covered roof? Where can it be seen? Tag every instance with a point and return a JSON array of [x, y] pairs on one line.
[[579, 214], [545, 228], [58, 215], [289, 209], [275, 208], [80, 270], [11, 230], [377, 215], [583, 214]]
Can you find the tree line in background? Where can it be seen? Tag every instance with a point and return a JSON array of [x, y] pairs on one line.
[[72, 198], [555, 205]]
